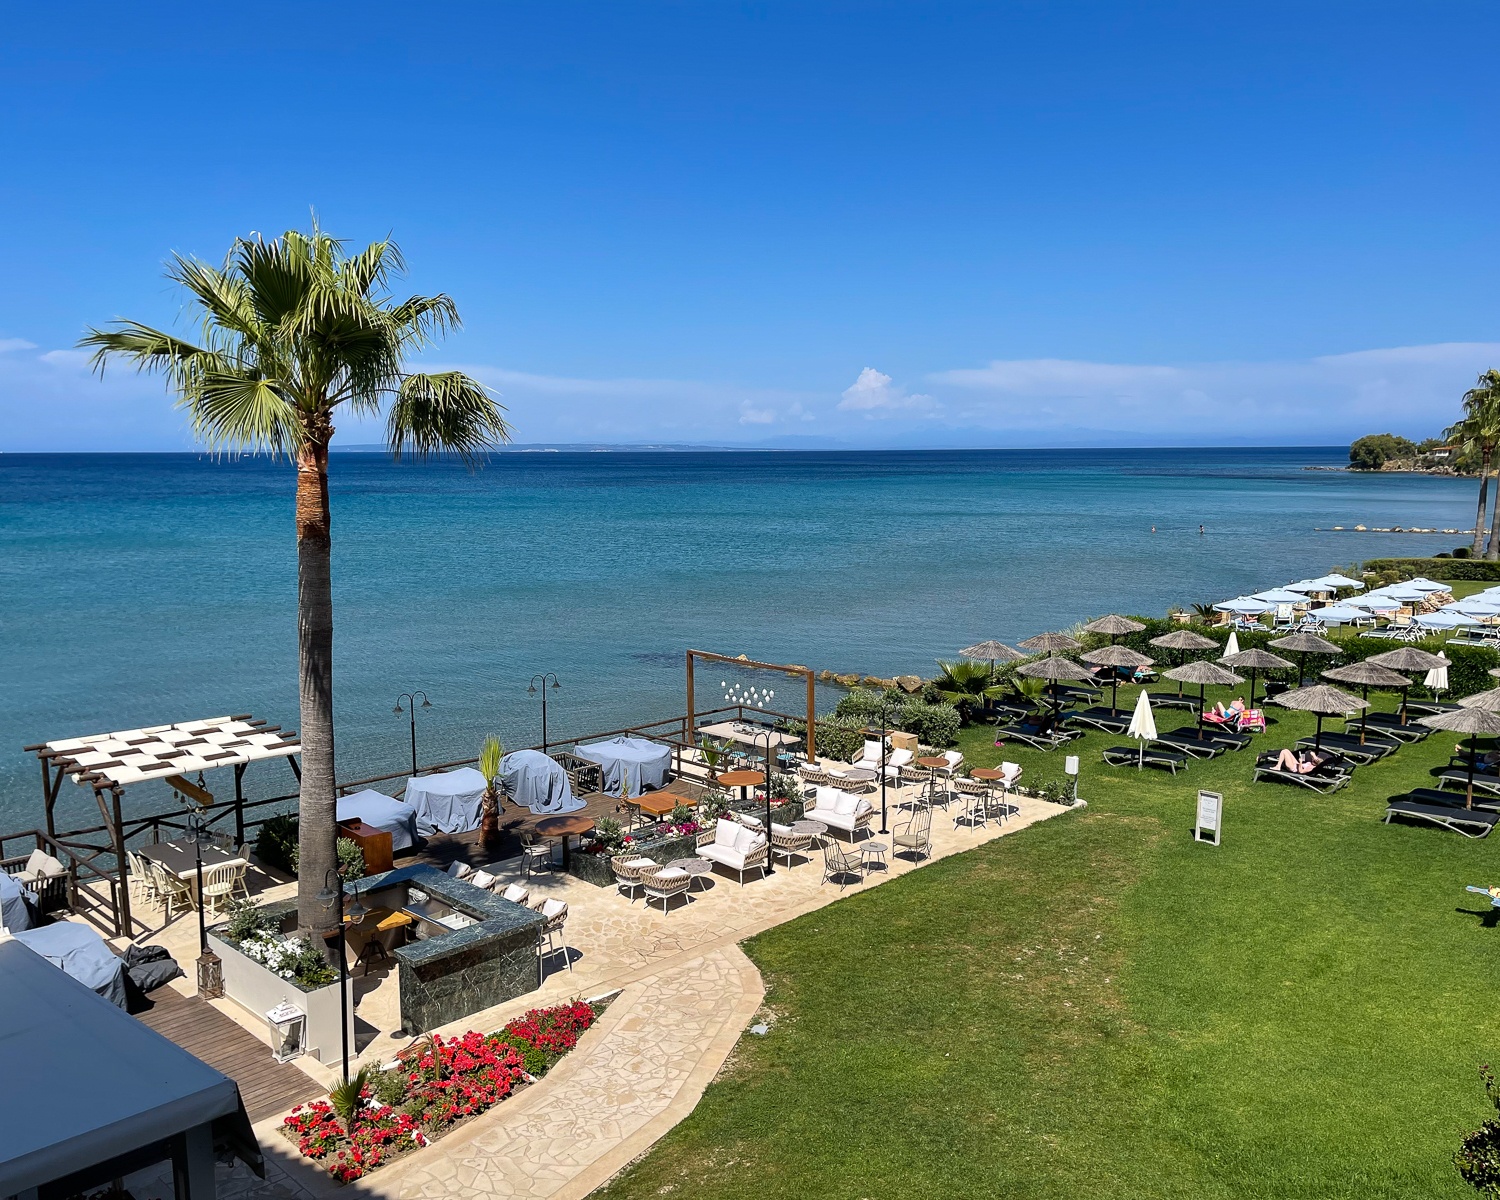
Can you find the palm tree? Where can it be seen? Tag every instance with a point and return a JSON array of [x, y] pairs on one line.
[[293, 329], [1478, 432], [490, 756]]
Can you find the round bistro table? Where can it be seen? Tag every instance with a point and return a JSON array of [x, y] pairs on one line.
[[565, 827], [744, 780]]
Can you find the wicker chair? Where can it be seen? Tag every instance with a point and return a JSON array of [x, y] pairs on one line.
[[627, 869], [812, 779], [662, 883], [785, 844], [975, 794], [533, 853], [839, 864], [915, 836], [550, 939]]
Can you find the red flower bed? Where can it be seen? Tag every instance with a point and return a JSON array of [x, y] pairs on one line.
[[446, 1080]]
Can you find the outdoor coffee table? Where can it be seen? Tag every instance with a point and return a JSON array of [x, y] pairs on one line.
[[812, 829], [870, 853], [989, 776], [659, 804], [565, 827], [694, 867]]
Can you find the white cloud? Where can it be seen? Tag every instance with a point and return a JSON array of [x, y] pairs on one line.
[[9, 344], [873, 395], [750, 415]]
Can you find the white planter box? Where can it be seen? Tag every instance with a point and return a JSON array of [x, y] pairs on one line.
[[258, 990]]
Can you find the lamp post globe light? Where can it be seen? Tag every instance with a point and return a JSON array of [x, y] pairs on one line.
[[411, 704], [883, 710], [543, 679], [210, 967], [752, 697]]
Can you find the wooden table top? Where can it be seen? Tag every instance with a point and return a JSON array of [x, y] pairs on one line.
[[987, 773], [740, 778], [564, 825], [933, 761], [660, 803]]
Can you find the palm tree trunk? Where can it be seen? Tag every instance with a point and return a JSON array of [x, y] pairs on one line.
[[316, 830], [1484, 492], [1492, 551]]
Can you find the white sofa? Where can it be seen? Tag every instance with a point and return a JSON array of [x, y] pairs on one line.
[[735, 846], [841, 810]]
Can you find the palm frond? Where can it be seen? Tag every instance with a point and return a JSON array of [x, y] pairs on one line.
[[423, 319], [447, 412], [241, 410]]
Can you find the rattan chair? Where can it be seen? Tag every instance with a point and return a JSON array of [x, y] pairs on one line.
[[812, 779], [533, 853], [786, 845], [975, 794], [550, 939], [662, 883], [627, 869]]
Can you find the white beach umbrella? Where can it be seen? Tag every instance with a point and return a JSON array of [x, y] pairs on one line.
[[1232, 646], [1340, 614], [1280, 596], [1308, 585], [1339, 581], [1244, 604], [1422, 584], [1143, 725], [1437, 678], [1444, 620]]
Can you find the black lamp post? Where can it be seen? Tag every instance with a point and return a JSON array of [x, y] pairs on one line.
[[210, 968], [531, 691], [411, 701], [883, 710], [333, 893], [755, 739]]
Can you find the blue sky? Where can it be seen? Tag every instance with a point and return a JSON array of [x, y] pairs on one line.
[[870, 224]]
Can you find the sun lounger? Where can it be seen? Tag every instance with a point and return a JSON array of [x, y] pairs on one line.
[[1389, 725], [1451, 799], [1326, 779], [1190, 743], [1153, 756], [1173, 700], [1111, 720], [1468, 822], [1228, 738], [1033, 735], [1373, 749], [1429, 708], [1065, 691], [1458, 779]]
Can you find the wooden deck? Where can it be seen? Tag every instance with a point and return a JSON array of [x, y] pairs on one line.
[[441, 849], [268, 1088]]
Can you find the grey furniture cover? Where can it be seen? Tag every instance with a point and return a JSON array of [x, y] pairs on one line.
[[396, 817], [15, 913], [448, 802], [643, 762], [81, 953], [535, 781]]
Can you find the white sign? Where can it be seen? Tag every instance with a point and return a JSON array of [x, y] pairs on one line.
[[1210, 815]]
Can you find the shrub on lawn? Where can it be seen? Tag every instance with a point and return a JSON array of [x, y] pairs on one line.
[[1478, 1158], [1437, 568]]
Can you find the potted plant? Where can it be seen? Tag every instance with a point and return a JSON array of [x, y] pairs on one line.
[[490, 755]]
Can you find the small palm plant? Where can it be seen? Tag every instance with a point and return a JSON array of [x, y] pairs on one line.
[[348, 1097], [713, 753], [490, 755]]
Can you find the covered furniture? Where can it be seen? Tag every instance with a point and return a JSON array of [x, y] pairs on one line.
[[15, 904], [637, 761], [735, 846], [840, 810], [449, 802], [535, 781], [397, 817], [145, 1099], [81, 952]]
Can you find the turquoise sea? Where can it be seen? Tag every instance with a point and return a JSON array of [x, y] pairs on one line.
[[143, 589]]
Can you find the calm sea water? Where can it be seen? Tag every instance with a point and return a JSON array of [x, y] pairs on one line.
[[142, 589]]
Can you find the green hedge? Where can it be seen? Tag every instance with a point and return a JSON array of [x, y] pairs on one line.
[[1437, 568]]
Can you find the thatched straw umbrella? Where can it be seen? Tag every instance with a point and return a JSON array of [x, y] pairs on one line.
[[1050, 643], [1368, 675], [1489, 701], [1054, 670], [1253, 661], [1115, 656], [1407, 659], [1183, 640], [1472, 721], [1113, 626], [991, 652], [1324, 701], [1303, 644], [1203, 674]]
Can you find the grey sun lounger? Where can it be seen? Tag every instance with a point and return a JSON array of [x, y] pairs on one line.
[[1470, 823], [1173, 700], [1458, 779], [1450, 799], [1154, 756], [1371, 751], [1323, 780], [1190, 743], [1111, 720], [1034, 737], [1228, 738], [1430, 707], [1388, 724]]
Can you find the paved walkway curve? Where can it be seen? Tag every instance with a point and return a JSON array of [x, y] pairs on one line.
[[636, 1074]]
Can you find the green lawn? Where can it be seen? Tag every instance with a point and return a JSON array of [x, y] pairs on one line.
[[1099, 1007], [1467, 587]]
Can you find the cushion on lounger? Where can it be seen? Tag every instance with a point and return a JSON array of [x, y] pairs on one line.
[[516, 894], [669, 874], [784, 830], [552, 908], [482, 879], [460, 870]]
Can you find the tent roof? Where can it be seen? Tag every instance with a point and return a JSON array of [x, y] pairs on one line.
[[157, 751], [88, 1081]]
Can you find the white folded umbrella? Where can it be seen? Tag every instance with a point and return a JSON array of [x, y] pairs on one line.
[[1436, 679], [1232, 646], [1143, 724]]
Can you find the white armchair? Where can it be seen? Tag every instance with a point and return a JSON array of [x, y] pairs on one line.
[[841, 810], [735, 846], [894, 760]]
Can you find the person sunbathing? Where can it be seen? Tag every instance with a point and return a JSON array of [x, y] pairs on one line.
[[1304, 762], [1224, 716]]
